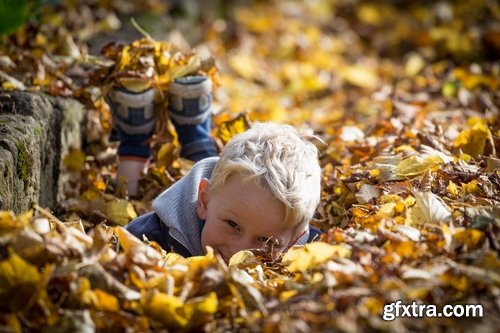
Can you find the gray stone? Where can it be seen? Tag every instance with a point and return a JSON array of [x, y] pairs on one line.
[[36, 132]]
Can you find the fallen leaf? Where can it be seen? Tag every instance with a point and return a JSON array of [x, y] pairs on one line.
[[313, 254], [432, 208], [416, 165], [19, 282], [232, 127], [473, 140]]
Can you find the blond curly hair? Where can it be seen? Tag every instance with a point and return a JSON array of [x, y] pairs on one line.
[[277, 158]]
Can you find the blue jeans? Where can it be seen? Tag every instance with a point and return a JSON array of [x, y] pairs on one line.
[[195, 140]]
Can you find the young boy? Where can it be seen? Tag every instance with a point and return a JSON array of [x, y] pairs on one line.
[[266, 183]]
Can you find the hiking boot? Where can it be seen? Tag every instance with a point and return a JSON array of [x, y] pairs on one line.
[[133, 113], [190, 99], [133, 123]]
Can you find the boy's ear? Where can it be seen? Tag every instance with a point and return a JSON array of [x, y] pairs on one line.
[[203, 198]]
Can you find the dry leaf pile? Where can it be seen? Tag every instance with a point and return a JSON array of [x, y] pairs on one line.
[[406, 98], [50, 53]]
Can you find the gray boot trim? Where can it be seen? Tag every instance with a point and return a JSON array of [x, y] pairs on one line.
[[191, 91], [130, 99], [190, 120], [135, 130]]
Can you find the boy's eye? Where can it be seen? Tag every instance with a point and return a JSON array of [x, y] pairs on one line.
[[263, 239], [232, 224]]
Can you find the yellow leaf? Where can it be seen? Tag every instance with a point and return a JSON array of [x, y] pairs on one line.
[[256, 21], [449, 89], [173, 258], [118, 211], [201, 307], [19, 282], [389, 198], [244, 65], [414, 64], [199, 263], [416, 165], [473, 140], [387, 209], [10, 83], [240, 257], [127, 241], [400, 207], [7, 85], [405, 249], [181, 70], [166, 309], [302, 78], [230, 128], [465, 157], [375, 173], [74, 160], [83, 291], [374, 305], [475, 120], [360, 76], [166, 154], [472, 238], [13, 323], [452, 189], [105, 301], [135, 84], [313, 254], [287, 294], [173, 312], [9, 221], [459, 282], [418, 292], [409, 201], [407, 148], [370, 14], [470, 187]]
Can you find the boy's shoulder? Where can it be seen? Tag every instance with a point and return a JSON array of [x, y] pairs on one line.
[[188, 183], [176, 207], [151, 226]]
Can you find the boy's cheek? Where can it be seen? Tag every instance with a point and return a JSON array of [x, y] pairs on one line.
[[209, 234]]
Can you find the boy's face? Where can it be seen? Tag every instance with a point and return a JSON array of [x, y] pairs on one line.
[[240, 216]]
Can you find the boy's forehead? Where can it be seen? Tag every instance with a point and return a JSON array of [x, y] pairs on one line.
[[240, 179]]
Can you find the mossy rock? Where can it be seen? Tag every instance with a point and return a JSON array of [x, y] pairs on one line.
[[36, 131], [19, 162]]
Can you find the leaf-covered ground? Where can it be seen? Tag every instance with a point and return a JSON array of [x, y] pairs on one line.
[[405, 97]]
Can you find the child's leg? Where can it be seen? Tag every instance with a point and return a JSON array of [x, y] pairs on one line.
[[189, 108], [133, 120], [196, 141]]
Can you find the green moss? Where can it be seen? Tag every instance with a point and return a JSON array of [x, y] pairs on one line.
[[3, 191], [24, 164], [38, 131]]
